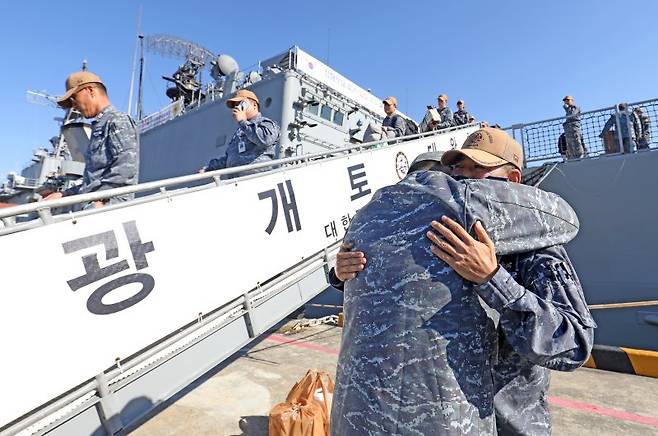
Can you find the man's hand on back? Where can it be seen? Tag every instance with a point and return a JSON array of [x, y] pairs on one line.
[[349, 263], [473, 259]]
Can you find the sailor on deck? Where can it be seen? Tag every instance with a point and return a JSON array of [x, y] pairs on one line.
[[572, 132], [393, 123], [255, 140], [642, 125], [445, 115], [112, 158], [461, 116]]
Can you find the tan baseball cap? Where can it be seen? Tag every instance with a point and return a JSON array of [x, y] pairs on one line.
[[443, 97], [488, 147], [241, 95], [568, 97], [391, 100], [74, 83]]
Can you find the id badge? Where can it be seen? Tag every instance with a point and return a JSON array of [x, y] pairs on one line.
[[242, 147]]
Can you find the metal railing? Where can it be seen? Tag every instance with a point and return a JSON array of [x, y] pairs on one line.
[[160, 117], [126, 371], [540, 139], [43, 208]]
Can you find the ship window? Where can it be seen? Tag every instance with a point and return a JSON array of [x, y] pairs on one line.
[[312, 109], [326, 112], [338, 118]]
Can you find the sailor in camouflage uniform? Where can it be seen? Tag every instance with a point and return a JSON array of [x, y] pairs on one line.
[[461, 116], [112, 158], [445, 116], [642, 126], [550, 304], [255, 140], [572, 132]]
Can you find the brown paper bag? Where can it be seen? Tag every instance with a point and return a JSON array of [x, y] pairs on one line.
[[307, 408], [298, 419]]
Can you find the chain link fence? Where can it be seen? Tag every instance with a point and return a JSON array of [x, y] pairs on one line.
[[541, 140]]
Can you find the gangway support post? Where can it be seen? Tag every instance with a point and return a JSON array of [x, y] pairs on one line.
[[109, 412]]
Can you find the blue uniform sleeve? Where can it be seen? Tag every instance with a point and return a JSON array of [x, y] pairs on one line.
[[573, 113], [263, 132], [398, 126], [335, 281], [216, 164], [547, 320], [122, 149]]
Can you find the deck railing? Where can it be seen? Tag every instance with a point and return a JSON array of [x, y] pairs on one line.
[[540, 138]]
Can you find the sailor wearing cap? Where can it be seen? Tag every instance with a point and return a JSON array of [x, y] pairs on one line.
[[445, 115], [112, 158], [393, 123], [418, 344], [642, 125], [255, 140], [572, 132], [544, 321], [461, 116], [541, 317]]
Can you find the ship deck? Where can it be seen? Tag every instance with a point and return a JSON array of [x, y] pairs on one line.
[[235, 397]]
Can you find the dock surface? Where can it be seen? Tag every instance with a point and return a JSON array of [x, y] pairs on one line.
[[235, 397]]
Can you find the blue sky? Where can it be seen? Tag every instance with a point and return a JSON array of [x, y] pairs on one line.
[[511, 61]]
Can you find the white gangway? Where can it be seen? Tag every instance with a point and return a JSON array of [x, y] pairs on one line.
[[108, 312]]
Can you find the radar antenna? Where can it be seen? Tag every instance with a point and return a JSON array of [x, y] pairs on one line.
[[41, 98], [187, 79], [171, 46]]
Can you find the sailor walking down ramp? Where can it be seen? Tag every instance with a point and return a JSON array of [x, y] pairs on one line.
[[418, 346]]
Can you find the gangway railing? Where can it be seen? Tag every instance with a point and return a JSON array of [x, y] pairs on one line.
[[540, 138], [123, 373], [44, 208], [217, 264]]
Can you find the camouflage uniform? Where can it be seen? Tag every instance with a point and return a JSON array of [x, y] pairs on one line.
[[551, 298], [642, 126], [461, 117], [112, 159], [537, 295], [396, 123], [255, 141], [625, 121], [418, 346], [572, 133], [446, 119]]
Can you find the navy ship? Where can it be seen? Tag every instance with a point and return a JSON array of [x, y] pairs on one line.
[[169, 269]]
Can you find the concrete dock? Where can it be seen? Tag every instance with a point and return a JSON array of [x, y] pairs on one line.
[[235, 398]]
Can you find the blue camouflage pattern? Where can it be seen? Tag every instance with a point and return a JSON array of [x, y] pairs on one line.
[[255, 141], [446, 118], [572, 132], [418, 345], [551, 305], [460, 117], [112, 158], [537, 296], [395, 124], [642, 125]]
